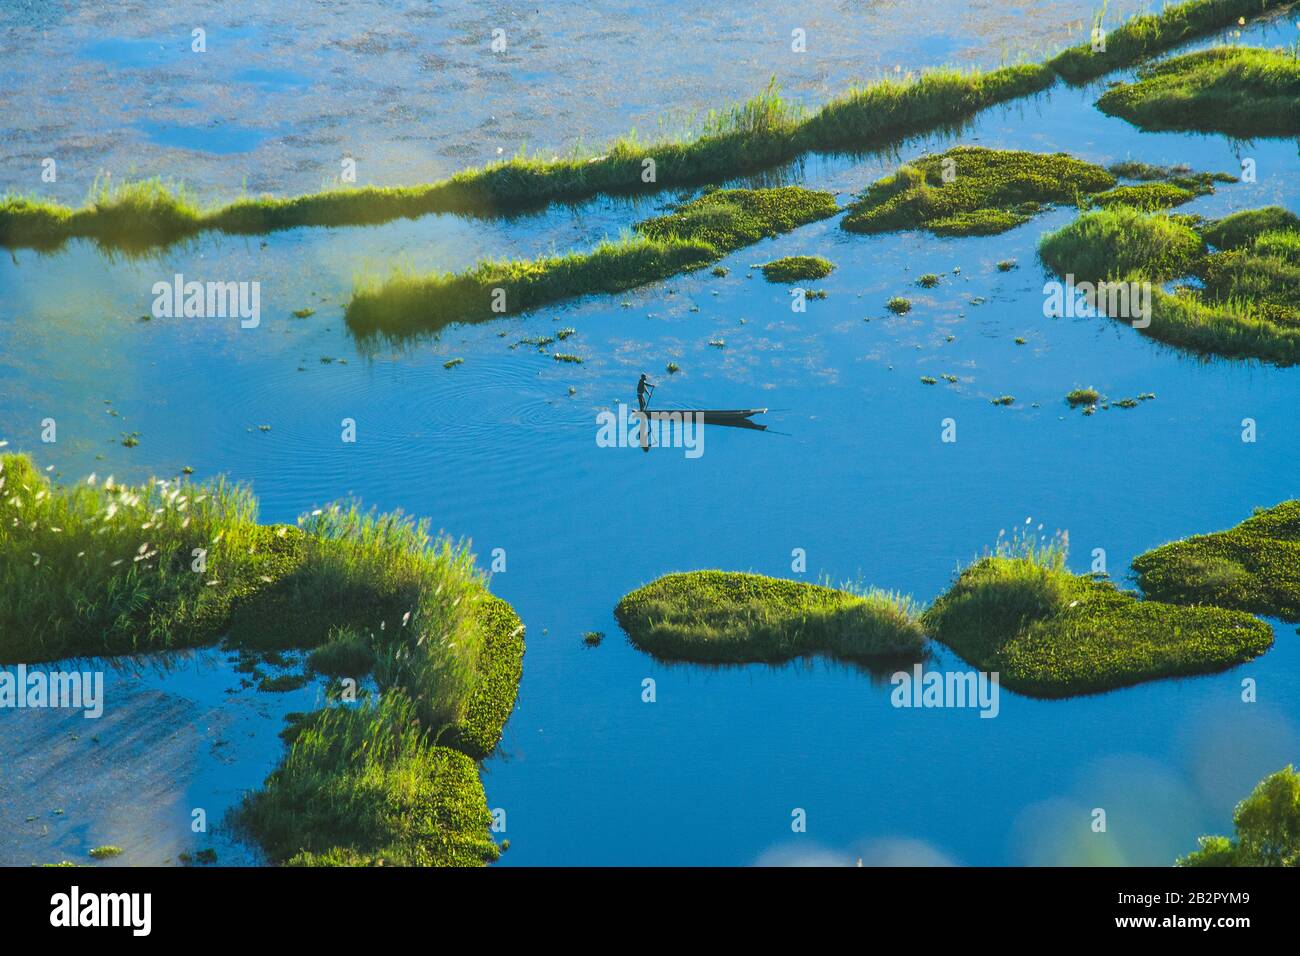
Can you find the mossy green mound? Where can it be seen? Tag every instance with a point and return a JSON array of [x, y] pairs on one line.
[[1241, 91], [1243, 228], [1248, 305], [1148, 34], [1120, 242], [794, 268], [970, 190], [1146, 196], [729, 617], [729, 219], [1252, 567], [1050, 633], [694, 235], [364, 786]]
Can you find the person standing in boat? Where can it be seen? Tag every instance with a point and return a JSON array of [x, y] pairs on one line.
[[643, 391]]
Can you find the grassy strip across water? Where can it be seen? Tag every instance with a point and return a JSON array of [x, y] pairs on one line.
[[1253, 567], [692, 236], [1050, 633], [764, 132], [1145, 35], [728, 617], [1242, 91]]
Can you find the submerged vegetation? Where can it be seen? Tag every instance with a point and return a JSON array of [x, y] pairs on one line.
[[1248, 302], [1267, 825], [1241, 91], [971, 190], [729, 617], [763, 132], [1049, 633], [101, 569], [692, 236], [1253, 567]]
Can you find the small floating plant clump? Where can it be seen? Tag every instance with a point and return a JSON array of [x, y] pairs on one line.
[[1241, 91], [452, 363], [973, 191], [899, 305], [593, 638], [928, 281], [1083, 397], [692, 236], [1254, 566], [794, 268], [1003, 400], [730, 617], [1049, 633]]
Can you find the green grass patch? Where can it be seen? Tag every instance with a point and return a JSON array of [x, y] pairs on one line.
[[106, 852], [1145, 196], [1050, 633], [1248, 305], [793, 268], [365, 786], [1083, 396], [970, 190], [899, 305], [729, 617], [1148, 34], [346, 654], [692, 236], [1254, 566], [1118, 243], [1241, 91]]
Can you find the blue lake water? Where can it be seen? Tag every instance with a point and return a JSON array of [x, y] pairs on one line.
[[852, 471]]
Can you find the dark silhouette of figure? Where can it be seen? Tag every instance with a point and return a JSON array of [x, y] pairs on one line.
[[643, 391]]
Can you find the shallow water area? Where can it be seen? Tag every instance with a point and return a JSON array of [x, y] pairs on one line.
[[851, 470]]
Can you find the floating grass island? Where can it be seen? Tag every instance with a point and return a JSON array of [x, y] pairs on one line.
[[1241, 91], [1254, 566], [761, 133], [692, 236], [733, 618], [794, 268], [102, 569], [1050, 633], [1248, 303], [973, 191]]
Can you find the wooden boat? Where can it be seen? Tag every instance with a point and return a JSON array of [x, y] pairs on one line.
[[712, 416]]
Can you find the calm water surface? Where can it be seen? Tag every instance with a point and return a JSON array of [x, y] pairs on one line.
[[852, 471]]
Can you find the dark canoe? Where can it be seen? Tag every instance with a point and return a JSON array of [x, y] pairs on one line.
[[712, 416]]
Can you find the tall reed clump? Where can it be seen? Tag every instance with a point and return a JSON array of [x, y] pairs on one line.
[[1018, 611], [692, 236], [729, 617], [1145, 35]]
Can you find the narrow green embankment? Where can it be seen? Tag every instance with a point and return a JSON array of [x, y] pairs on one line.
[[1254, 566], [728, 617], [760, 134], [1266, 826], [1018, 612], [101, 569], [1241, 91], [692, 236], [1248, 304]]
